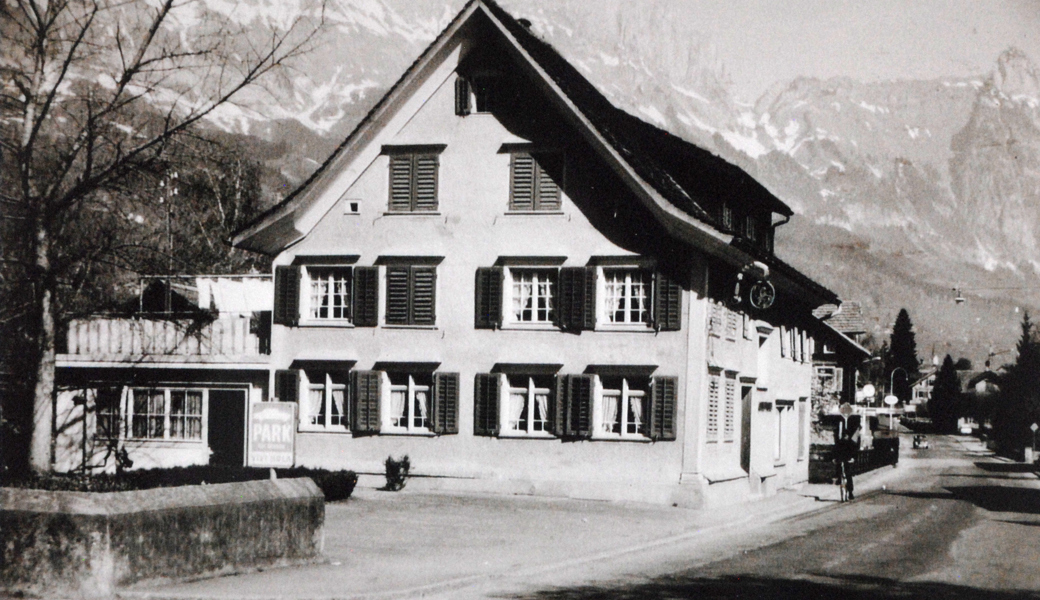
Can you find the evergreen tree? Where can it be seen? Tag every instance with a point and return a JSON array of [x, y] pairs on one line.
[[945, 401], [902, 354], [1018, 405]]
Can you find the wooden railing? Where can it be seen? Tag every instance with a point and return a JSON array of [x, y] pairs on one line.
[[239, 335]]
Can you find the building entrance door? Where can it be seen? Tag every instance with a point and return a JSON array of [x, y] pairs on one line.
[[227, 427], [745, 428]]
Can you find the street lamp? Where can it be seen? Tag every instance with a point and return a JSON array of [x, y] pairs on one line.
[[891, 399]]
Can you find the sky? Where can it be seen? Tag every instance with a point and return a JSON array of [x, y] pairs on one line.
[[764, 41]]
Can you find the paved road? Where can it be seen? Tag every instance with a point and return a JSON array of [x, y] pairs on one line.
[[964, 525]]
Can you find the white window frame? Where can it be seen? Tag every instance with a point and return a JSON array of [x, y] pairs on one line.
[[604, 317], [307, 307], [625, 396], [167, 416], [531, 391], [509, 318], [410, 388], [322, 381], [780, 439]]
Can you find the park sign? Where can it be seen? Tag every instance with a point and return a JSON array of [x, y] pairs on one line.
[[272, 434]]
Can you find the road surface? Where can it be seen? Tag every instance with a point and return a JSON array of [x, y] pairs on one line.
[[957, 524]]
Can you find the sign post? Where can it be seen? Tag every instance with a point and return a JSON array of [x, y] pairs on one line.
[[891, 401], [272, 435]]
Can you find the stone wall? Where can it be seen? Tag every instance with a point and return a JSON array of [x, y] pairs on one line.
[[90, 544]]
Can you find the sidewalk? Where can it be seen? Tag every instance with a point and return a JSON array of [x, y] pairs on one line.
[[402, 545]]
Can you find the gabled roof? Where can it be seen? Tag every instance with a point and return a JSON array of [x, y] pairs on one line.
[[847, 318], [843, 339], [676, 179]]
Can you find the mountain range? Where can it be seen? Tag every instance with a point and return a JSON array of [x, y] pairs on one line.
[[907, 193]]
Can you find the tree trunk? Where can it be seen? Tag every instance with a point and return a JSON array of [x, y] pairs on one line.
[[41, 451]]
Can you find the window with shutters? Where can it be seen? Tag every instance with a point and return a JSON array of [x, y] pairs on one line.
[[411, 295], [413, 178], [324, 405], [624, 407], [732, 323], [729, 415], [527, 405], [715, 318], [408, 403], [532, 187], [626, 296], [712, 426], [327, 294], [166, 414], [530, 294]]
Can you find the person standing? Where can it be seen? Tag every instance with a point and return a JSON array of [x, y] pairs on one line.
[[846, 446]]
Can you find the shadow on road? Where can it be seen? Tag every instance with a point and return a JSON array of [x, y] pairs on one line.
[[1006, 467], [993, 498], [1026, 523], [734, 586]]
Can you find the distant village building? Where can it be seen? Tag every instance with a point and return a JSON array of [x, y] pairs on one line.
[[511, 281]]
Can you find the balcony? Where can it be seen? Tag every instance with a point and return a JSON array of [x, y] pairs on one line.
[[143, 339]]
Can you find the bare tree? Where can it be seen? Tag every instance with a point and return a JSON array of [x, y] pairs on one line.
[[97, 98]]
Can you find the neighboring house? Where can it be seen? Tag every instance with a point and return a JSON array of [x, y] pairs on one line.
[[166, 382], [922, 391], [838, 353], [527, 290]]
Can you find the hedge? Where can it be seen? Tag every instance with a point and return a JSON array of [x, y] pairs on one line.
[[336, 485]]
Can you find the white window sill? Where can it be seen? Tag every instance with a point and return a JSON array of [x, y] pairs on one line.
[[326, 323], [316, 429], [534, 213], [602, 437], [519, 326], [623, 328], [520, 435], [412, 213], [404, 432], [426, 327]]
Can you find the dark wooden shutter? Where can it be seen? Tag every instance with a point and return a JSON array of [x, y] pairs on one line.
[[570, 309], [559, 406], [423, 296], [366, 296], [667, 303], [521, 182], [488, 300], [286, 295], [401, 182], [547, 196], [445, 410], [577, 413], [425, 182], [397, 295], [588, 309], [365, 394], [287, 385], [662, 408], [462, 105], [485, 404]]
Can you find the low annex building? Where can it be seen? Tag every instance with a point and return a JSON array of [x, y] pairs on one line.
[[527, 290]]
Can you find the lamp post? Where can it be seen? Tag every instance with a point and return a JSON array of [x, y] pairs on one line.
[[891, 399]]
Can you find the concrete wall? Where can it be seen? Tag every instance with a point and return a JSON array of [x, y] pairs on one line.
[[82, 544]]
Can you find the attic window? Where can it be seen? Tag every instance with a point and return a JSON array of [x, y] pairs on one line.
[[474, 94]]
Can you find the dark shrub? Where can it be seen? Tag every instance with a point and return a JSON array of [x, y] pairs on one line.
[[336, 485]]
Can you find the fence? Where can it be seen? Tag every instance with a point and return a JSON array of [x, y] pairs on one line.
[[884, 452], [235, 335]]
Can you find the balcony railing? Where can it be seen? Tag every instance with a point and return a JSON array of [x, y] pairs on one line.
[[234, 335]]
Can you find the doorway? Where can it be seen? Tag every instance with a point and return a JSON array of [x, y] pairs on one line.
[[227, 427], [745, 428]]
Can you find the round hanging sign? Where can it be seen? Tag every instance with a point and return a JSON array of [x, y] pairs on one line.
[[762, 295]]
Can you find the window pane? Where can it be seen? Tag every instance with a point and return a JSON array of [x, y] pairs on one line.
[[532, 293], [338, 418], [626, 295], [635, 422], [517, 410], [106, 411], [330, 293], [399, 406], [421, 402], [316, 404], [541, 412], [149, 413]]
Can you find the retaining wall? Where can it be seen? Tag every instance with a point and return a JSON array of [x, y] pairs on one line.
[[91, 544]]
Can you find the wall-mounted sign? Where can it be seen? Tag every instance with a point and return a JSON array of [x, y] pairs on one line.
[[762, 295], [272, 434]]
